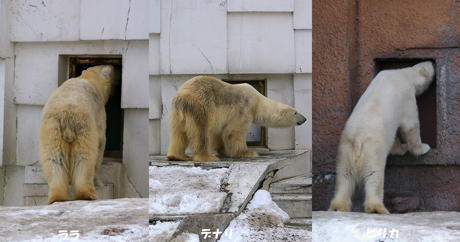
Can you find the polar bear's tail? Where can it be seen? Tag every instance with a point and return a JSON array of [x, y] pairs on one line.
[[71, 125]]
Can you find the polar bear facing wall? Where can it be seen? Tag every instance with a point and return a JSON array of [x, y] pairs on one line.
[[369, 136], [72, 134], [209, 114]]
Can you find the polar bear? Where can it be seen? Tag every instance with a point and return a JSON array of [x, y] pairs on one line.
[[369, 136], [72, 134], [207, 113]]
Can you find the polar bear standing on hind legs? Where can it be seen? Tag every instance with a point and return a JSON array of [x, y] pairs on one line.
[[72, 134], [207, 113], [369, 136]]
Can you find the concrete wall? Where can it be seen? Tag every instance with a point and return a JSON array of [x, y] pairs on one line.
[[349, 39], [35, 37], [233, 40]]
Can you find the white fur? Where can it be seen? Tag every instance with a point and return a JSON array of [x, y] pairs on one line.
[[209, 114], [369, 136]]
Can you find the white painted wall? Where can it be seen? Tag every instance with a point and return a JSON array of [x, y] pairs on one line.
[[36, 36], [232, 39]]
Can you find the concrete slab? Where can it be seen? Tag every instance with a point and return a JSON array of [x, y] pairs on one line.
[[299, 185], [299, 223], [422, 226], [246, 175], [183, 26], [45, 21], [260, 6], [252, 37], [243, 178], [296, 205]]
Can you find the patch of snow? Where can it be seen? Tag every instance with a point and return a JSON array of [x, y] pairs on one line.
[[162, 231], [185, 190], [186, 237], [262, 201], [262, 221], [362, 227]]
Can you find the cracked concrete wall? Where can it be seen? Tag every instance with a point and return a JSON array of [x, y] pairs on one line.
[[236, 40], [349, 38], [36, 37]]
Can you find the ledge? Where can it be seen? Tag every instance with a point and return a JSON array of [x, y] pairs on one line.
[[419, 226]]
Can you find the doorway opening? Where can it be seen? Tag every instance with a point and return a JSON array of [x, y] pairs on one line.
[[426, 102], [256, 136], [114, 112]]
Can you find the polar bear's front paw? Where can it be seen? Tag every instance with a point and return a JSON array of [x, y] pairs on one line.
[[338, 206], [204, 157], [248, 154], [420, 150]]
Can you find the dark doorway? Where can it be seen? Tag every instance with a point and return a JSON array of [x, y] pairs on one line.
[[114, 112], [426, 102], [256, 136]]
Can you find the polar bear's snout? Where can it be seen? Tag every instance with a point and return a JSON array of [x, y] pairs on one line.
[[301, 119]]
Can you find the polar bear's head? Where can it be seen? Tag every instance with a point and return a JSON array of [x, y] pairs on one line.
[[103, 78], [288, 117], [426, 72]]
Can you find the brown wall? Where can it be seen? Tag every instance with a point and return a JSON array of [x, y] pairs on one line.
[[348, 38]]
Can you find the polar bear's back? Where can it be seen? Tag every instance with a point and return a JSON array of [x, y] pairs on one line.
[[211, 92], [207, 100], [77, 90], [377, 115]]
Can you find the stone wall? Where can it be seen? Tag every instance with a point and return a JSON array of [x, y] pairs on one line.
[[350, 43], [235, 40], [36, 40]]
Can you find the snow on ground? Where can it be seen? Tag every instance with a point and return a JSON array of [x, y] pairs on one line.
[[362, 227], [261, 221], [185, 190], [103, 220], [162, 231]]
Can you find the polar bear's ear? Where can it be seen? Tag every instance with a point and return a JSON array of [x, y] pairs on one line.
[[424, 72], [106, 71], [284, 111], [83, 71]]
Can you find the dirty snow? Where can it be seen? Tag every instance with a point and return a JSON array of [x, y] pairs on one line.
[[186, 237], [261, 221], [362, 227], [185, 190], [103, 220], [162, 231]]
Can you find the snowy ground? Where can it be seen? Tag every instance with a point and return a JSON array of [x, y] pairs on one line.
[[193, 190], [103, 220], [162, 231], [362, 227], [181, 190], [262, 221]]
